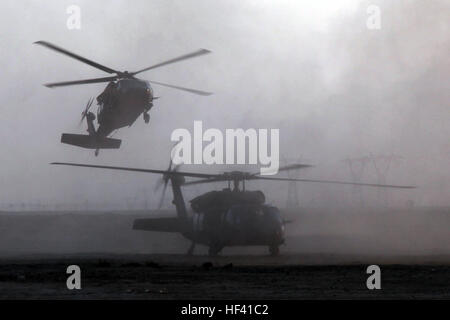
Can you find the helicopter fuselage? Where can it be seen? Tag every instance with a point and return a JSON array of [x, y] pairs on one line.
[[124, 99], [121, 103], [240, 225], [222, 219]]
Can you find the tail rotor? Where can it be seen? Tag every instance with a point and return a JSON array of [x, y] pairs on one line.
[[86, 110], [164, 180]]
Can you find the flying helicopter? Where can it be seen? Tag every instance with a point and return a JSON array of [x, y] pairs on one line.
[[123, 100], [233, 216]]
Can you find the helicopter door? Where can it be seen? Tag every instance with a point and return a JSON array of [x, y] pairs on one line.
[[245, 224], [232, 218], [242, 217], [198, 222]]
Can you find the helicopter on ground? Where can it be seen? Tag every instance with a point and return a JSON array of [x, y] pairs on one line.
[[123, 100], [229, 217]]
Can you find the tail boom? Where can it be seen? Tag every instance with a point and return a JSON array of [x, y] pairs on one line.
[[161, 225]]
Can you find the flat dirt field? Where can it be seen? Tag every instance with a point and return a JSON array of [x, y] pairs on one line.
[[325, 257], [232, 277]]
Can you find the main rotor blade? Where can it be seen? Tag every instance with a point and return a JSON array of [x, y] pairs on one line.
[[158, 184], [220, 177], [161, 200], [75, 56], [335, 182], [71, 83], [174, 173], [199, 92], [180, 58], [205, 181], [289, 167]]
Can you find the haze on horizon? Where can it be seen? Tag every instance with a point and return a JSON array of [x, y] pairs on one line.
[[334, 88]]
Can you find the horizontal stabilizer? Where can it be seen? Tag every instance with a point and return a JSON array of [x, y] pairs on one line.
[[90, 142], [161, 225]]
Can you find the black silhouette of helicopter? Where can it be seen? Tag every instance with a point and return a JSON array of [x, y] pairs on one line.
[[124, 99], [230, 217]]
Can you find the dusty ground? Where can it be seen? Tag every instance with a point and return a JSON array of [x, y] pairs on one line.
[[326, 255], [232, 277]]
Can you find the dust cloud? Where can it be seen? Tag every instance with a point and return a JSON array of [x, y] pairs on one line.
[[334, 88]]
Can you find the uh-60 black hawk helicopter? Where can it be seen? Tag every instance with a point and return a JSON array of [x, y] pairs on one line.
[[124, 99], [229, 217]]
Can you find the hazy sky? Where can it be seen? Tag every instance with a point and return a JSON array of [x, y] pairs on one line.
[[334, 88]]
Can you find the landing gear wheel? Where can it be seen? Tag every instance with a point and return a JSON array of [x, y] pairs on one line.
[[274, 250], [146, 117]]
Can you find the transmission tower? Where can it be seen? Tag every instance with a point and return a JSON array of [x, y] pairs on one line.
[[292, 200], [382, 164], [357, 167]]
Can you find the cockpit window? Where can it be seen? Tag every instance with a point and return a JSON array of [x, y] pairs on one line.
[[243, 215], [272, 212]]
